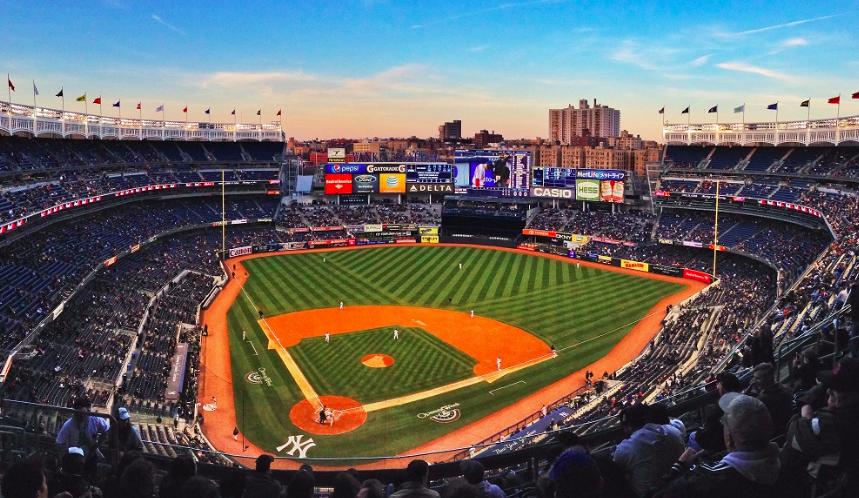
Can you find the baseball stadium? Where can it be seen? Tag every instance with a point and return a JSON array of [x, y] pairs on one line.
[[206, 294]]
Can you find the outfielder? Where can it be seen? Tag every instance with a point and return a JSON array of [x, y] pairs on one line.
[[396, 334]]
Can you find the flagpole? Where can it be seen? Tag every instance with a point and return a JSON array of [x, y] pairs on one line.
[[120, 111], [86, 116], [716, 230], [808, 116], [163, 123], [9, 91], [744, 115], [63, 115], [100, 117], [35, 112], [688, 119]]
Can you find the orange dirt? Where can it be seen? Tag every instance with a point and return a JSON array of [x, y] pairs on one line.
[[377, 361], [215, 369], [348, 415]]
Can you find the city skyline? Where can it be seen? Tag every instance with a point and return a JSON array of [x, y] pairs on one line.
[[387, 68]]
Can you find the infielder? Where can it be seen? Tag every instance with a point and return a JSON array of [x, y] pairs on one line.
[[341, 305], [498, 363], [327, 337], [472, 313]]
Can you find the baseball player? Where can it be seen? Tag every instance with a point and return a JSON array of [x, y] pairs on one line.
[[498, 363], [341, 305], [472, 313], [327, 337], [244, 334], [396, 334]]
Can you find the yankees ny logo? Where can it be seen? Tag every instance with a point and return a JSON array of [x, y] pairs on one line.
[[297, 445]]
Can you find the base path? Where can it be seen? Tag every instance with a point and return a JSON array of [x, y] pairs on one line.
[[216, 371]]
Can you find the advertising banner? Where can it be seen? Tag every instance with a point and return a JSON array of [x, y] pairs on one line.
[[634, 265], [392, 183], [604, 259], [430, 188], [345, 168], [373, 228], [367, 183], [666, 241], [611, 191], [428, 230], [526, 248], [353, 199], [355, 228], [697, 275], [689, 243], [601, 174], [666, 270], [553, 193], [338, 184], [293, 246], [241, 251], [539, 233], [587, 190], [429, 239], [177, 372]]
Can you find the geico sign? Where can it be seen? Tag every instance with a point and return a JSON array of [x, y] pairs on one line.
[[556, 193]]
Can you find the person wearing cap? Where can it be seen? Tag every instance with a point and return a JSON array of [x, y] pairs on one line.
[[417, 474], [829, 436], [751, 468], [70, 478], [777, 397], [649, 450], [128, 437], [473, 472], [82, 431], [711, 436], [260, 484]]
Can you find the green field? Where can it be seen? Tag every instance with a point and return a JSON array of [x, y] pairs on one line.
[[583, 312], [422, 361]]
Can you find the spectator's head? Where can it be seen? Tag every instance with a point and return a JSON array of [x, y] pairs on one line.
[[72, 463], [345, 486], [264, 463], [200, 487], [417, 471], [726, 382], [125, 460], [82, 404], [576, 475], [24, 480], [182, 468], [633, 418], [571, 441], [233, 484], [764, 375], [124, 417], [842, 383], [301, 485], [472, 471], [747, 424], [138, 480], [371, 488]]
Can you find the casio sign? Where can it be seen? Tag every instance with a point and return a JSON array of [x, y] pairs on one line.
[[555, 193]]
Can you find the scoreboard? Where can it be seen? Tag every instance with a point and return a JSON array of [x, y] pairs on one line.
[[555, 177], [429, 173]]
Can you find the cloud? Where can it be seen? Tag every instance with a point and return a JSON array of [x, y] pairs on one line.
[[795, 42], [235, 80], [479, 48], [158, 19], [700, 61], [785, 25], [505, 6], [748, 68], [648, 58]]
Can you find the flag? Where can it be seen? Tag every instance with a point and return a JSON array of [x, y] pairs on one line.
[[234, 112], [856, 95], [685, 111], [742, 108], [259, 112], [35, 90], [10, 82], [160, 108], [715, 108], [662, 111], [835, 100], [97, 101], [61, 93], [138, 105], [805, 103], [82, 98], [773, 107], [207, 110], [185, 110], [117, 104], [278, 112]]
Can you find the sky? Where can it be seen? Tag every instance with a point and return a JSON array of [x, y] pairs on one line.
[[393, 68]]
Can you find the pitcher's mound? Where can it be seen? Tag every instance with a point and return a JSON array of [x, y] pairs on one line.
[[347, 413], [377, 361]]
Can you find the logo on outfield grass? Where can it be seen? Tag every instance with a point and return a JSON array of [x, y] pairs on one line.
[[444, 415], [296, 444], [258, 377]]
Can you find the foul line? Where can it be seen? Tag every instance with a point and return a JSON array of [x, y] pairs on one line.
[[252, 345], [293, 368], [505, 387]]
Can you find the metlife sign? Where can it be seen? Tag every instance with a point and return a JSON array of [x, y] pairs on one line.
[[601, 174], [553, 193]]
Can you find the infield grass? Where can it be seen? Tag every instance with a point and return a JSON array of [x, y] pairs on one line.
[[583, 312]]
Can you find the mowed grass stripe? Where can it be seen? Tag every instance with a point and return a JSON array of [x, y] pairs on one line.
[[413, 284], [333, 284], [269, 282], [385, 270], [470, 286]]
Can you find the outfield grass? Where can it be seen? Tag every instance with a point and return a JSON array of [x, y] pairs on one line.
[[421, 361], [583, 312]]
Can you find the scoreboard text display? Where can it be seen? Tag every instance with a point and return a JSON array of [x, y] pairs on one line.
[[493, 169], [600, 185]]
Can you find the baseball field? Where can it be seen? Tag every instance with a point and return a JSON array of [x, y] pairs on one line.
[[536, 321]]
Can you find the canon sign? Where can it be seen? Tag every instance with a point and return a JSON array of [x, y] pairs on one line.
[[553, 193]]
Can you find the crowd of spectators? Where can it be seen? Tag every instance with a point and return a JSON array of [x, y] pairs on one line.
[[632, 226], [298, 215]]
